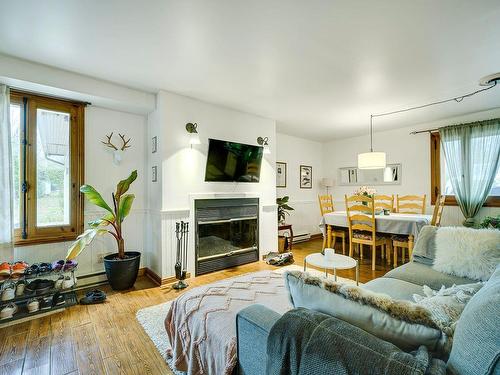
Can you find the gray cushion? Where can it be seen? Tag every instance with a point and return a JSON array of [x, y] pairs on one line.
[[476, 344], [424, 250], [421, 274], [397, 289], [374, 313], [253, 324]]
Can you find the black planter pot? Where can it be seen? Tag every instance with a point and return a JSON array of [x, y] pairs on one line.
[[122, 273]]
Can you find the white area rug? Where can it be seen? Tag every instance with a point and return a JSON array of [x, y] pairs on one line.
[[152, 318]]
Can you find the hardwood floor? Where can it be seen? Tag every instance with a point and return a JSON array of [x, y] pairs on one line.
[[106, 338]]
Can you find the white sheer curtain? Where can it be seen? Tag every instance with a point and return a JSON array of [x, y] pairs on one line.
[[6, 210], [472, 153]]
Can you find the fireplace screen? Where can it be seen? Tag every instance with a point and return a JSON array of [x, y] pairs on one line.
[[218, 238], [226, 230]]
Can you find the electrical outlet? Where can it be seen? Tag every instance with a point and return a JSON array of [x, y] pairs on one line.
[[100, 257]]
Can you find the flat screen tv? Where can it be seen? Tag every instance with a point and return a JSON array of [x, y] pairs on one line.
[[229, 161]]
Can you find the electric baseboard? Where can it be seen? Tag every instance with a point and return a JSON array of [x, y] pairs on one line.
[[301, 236]]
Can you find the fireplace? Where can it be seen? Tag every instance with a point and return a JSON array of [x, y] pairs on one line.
[[227, 233]]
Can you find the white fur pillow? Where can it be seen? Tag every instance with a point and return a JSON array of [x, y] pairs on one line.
[[467, 252]]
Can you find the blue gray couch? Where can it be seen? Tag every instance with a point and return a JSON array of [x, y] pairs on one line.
[[476, 344]]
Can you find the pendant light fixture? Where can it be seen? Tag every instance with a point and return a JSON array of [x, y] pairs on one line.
[[372, 159]]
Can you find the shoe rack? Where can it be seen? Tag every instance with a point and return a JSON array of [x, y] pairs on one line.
[[22, 300]]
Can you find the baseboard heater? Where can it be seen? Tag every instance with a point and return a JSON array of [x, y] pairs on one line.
[[301, 236]]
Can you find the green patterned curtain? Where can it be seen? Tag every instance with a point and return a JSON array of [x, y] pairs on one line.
[[472, 153]]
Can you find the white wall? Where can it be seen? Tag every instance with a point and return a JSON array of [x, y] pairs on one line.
[[40, 78], [412, 151], [182, 170], [101, 173], [295, 152]]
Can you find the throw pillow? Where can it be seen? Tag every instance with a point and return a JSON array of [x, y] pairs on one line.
[[467, 252], [425, 246], [400, 322]]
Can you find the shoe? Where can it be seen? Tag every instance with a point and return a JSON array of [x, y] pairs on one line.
[[33, 305], [92, 297], [9, 291], [39, 286], [44, 268], [58, 299], [57, 266], [5, 270], [68, 282], [59, 283], [20, 285], [8, 311], [19, 268], [32, 270], [46, 303], [70, 264]]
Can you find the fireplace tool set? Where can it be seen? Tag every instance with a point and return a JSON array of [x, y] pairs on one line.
[[182, 234]]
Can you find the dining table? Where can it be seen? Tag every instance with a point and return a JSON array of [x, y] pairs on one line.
[[394, 223]]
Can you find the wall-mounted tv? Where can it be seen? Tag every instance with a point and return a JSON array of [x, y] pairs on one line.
[[229, 161]]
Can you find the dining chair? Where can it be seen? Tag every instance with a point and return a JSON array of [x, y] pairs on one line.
[[438, 210], [325, 207], [384, 202], [363, 226], [410, 204], [402, 241]]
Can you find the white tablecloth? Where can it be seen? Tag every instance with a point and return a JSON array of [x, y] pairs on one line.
[[394, 223]]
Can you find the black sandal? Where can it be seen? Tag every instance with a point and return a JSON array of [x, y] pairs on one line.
[[93, 297]]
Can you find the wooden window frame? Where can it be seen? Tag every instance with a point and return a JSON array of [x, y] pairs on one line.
[[38, 235], [491, 201]]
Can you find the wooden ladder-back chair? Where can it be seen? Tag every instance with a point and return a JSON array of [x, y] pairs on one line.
[[438, 210], [384, 202], [325, 207], [410, 204], [402, 241], [362, 225]]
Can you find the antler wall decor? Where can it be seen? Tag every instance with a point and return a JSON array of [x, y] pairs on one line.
[[125, 143], [117, 152]]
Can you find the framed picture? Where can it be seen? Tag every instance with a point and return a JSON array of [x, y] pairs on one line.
[[280, 174], [154, 144], [306, 175], [154, 174]]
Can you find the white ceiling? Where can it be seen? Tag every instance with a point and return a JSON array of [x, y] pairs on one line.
[[317, 67]]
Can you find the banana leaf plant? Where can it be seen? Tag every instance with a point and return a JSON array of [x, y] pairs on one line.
[[111, 222], [283, 208]]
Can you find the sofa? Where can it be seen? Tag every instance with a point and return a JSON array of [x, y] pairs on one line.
[[476, 342]]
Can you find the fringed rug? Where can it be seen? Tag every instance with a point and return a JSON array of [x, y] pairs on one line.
[[152, 318]]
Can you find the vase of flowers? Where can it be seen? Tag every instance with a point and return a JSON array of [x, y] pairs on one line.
[[365, 191]]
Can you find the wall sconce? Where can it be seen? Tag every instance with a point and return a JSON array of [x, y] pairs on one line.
[[194, 137], [263, 142]]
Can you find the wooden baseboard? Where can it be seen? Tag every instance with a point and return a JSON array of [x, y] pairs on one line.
[[154, 277], [317, 235]]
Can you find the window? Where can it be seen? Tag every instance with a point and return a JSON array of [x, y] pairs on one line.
[[441, 183], [47, 157]]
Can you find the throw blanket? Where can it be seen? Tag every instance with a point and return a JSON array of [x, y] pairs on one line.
[[425, 247], [201, 323], [307, 342]]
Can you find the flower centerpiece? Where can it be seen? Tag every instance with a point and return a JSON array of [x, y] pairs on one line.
[[365, 191]]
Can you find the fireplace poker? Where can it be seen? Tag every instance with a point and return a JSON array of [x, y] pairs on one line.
[[181, 261]]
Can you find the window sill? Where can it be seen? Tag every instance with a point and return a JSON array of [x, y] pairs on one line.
[[492, 201], [44, 240]]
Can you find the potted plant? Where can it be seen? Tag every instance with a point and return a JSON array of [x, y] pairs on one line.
[[283, 208], [491, 222], [121, 267]]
